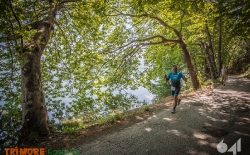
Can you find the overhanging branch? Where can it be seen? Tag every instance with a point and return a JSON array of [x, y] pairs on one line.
[[183, 14], [163, 23], [148, 41], [68, 1]]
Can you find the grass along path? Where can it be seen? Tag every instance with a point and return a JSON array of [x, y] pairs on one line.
[[201, 122]]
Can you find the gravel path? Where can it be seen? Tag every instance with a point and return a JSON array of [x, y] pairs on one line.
[[199, 124]]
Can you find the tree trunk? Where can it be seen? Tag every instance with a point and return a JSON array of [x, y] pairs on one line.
[[207, 70], [208, 59], [34, 112], [219, 46], [211, 50], [190, 66]]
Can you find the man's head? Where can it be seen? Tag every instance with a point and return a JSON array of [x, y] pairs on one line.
[[175, 68]]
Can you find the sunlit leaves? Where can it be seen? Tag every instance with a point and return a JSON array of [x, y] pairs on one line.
[[93, 56]]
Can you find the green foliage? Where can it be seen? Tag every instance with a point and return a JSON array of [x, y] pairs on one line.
[[10, 124], [237, 14], [130, 114], [112, 118], [238, 55], [247, 73], [95, 54], [146, 108]]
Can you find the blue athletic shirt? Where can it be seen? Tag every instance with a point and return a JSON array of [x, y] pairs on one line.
[[175, 78]]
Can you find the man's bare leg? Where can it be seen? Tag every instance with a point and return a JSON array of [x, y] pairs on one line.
[[175, 100], [175, 103]]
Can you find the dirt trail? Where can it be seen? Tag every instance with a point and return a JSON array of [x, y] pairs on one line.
[[200, 123]]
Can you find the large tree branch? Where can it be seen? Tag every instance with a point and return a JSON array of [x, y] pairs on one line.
[[148, 41], [153, 43], [183, 14], [163, 23], [138, 43], [163, 39], [68, 1], [166, 25]]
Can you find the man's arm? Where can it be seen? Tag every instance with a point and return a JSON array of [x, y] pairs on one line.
[[166, 78]]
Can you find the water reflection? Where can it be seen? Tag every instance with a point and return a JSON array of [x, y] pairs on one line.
[[141, 93]]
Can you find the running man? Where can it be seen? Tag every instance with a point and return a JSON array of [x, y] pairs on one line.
[[223, 75], [175, 78]]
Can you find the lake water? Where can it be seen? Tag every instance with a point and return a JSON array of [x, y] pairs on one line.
[[141, 93]]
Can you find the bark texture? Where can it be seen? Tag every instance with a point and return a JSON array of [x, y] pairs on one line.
[[34, 112], [189, 63], [219, 46], [208, 60], [211, 49]]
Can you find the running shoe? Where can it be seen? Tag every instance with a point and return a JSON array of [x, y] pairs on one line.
[[173, 111]]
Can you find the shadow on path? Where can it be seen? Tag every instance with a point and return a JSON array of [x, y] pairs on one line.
[[200, 123]]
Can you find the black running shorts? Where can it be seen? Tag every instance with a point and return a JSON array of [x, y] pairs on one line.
[[175, 90]]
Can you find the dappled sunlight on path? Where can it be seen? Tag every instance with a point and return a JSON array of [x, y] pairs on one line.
[[199, 124]]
